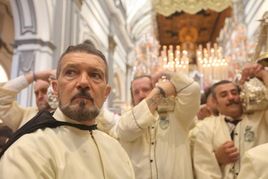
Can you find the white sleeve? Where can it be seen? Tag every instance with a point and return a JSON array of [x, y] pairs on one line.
[[134, 122], [16, 84], [187, 99]]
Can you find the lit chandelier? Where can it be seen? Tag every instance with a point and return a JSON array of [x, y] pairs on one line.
[[211, 63], [174, 60]]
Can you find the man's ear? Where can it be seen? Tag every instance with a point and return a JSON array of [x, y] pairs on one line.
[[214, 100], [54, 84], [108, 90]]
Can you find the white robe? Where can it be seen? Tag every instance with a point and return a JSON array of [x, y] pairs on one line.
[[65, 153], [160, 148], [212, 132]]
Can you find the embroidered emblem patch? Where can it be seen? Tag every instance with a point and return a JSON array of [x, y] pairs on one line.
[[249, 134], [163, 123]]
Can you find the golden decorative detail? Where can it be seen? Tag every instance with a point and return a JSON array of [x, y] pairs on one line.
[[254, 93], [262, 40], [254, 96], [263, 59], [188, 34], [168, 7]]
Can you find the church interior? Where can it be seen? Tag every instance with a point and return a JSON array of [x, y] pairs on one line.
[[207, 39]]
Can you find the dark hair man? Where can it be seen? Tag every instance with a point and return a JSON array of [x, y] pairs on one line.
[[219, 142], [69, 146]]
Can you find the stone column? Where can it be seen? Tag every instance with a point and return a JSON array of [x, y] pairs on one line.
[[32, 48], [111, 49]]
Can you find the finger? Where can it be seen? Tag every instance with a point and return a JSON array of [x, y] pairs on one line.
[[245, 75], [258, 69], [229, 144], [231, 150], [252, 72], [235, 156], [204, 110], [242, 81], [255, 69]]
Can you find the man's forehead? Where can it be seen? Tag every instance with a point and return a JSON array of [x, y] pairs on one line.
[[142, 81], [41, 84], [81, 56], [225, 87], [83, 59]]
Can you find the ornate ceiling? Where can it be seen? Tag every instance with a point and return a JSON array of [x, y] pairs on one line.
[[198, 28], [188, 23], [168, 7]]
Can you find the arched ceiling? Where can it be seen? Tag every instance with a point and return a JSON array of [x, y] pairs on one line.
[[140, 17]]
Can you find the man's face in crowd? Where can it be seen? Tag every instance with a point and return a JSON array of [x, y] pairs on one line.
[[40, 90], [228, 100], [140, 88], [81, 86]]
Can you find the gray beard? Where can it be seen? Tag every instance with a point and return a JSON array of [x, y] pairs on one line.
[[80, 113]]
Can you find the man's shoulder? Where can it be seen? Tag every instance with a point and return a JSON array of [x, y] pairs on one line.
[[108, 143], [32, 142], [107, 137], [208, 125], [210, 121]]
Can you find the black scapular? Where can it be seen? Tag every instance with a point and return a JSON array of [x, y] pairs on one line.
[[42, 120]]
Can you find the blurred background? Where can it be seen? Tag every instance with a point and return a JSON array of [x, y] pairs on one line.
[[209, 40]]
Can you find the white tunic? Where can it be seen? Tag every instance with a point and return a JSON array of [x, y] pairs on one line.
[[65, 153], [212, 132], [159, 149]]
